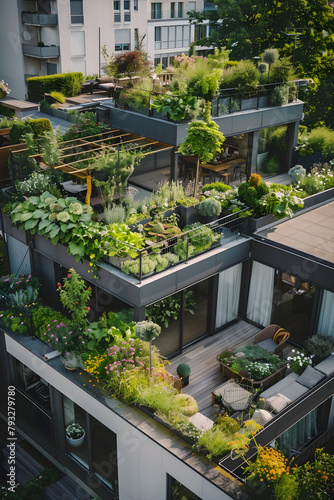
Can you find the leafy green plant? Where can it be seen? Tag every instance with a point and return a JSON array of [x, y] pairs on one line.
[[169, 308], [201, 237], [51, 217], [315, 479], [36, 184], [74, 295], [178, 107]]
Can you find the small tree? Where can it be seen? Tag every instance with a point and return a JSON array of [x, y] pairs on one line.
[[270, 56], [204, 140], [147, 331], [74, 295], [129, 64]]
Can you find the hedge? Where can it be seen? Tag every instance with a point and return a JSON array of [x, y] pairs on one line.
[[21, 127], [7, 111], [40, 125], [68, 84]]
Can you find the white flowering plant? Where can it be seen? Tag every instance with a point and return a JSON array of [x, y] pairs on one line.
[[4, 87], [74, 431], [299, 361]]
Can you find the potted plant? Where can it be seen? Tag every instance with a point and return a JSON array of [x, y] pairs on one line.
[[4, 89], [72, 360], [75, 435], [183, 371]]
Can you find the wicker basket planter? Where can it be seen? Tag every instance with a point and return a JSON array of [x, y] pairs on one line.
[[266, 382]]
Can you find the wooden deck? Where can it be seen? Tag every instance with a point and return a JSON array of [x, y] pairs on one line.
[[205, 370], [27, 467]]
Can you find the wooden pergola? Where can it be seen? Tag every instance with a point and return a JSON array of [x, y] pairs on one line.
[[112, 139]]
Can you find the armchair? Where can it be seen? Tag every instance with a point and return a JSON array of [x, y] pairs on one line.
[[272, 338]]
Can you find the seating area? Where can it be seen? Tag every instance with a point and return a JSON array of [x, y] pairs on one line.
[[277, 397], [273, 338]]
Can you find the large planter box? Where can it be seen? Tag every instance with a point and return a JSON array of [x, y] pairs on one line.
[[11, 230], [265, 383], [188, 215]]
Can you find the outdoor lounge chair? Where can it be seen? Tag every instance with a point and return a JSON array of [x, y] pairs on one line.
[[272, 338]]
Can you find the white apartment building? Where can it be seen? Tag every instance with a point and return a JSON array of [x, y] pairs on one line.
[[44, 37]]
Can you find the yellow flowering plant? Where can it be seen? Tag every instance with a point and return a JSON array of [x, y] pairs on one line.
[[268, 467]]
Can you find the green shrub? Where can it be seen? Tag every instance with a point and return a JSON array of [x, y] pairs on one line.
[[68, 84], [200, 236], [273, 165], [227, 424], [279, 96], [58, 95], [321, 139], [319, 345], [42, 316], [6, 123], [19, 128], [7, 111], [210, 207], [217, 186]]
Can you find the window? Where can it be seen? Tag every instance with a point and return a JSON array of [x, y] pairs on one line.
[[135, 4], [117, 14], [127, 17], [155, 10], [169, 37], [122, 40], [78, 43], [136, 39], [176, 490], [126, 4], [191, 6], [76, 12], [180, 9], [157, 34], [200, 31], [98, 451], [172, 10]]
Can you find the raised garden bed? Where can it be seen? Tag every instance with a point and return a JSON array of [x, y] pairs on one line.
[[266, 382]]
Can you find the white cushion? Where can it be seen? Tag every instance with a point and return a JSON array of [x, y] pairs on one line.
[[326, 366], [262, 416], [310, 377], [201, 421], [277, 402]]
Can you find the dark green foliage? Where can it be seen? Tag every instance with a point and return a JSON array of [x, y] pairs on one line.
[[33, 488], [18, 129], [262, 189], [6, 111], [279, 96], [244, 76], [200, 236], [273, 166], [68, 84], [183, 370], [250, 197], [319, 345], [42, 316]]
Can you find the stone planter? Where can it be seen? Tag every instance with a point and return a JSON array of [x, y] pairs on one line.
[[266, 382]]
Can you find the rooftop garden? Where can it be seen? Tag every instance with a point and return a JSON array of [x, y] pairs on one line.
[[118, 354]]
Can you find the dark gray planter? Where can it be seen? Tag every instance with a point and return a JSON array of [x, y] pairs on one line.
[[249, 103], [317, 198], [13, 231], [188, 215]]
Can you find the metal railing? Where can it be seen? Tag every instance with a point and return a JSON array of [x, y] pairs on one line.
[[228, 101], [170, 251]]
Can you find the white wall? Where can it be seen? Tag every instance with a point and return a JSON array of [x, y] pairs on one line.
[[11, 56]]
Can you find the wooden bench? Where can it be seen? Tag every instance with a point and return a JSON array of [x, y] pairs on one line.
[[21, 108]]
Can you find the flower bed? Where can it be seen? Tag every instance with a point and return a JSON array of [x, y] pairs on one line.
[[255, 365]]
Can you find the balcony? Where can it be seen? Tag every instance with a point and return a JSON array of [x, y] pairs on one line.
[[37, 19], [40, 52]]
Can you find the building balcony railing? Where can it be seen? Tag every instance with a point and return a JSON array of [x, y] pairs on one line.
[[36, 19], [40, 52], [227, 102]]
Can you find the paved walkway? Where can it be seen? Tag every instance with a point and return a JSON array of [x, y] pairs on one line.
[[63, 125]]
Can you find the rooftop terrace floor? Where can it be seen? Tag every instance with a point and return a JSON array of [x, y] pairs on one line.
[[311, 232]]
